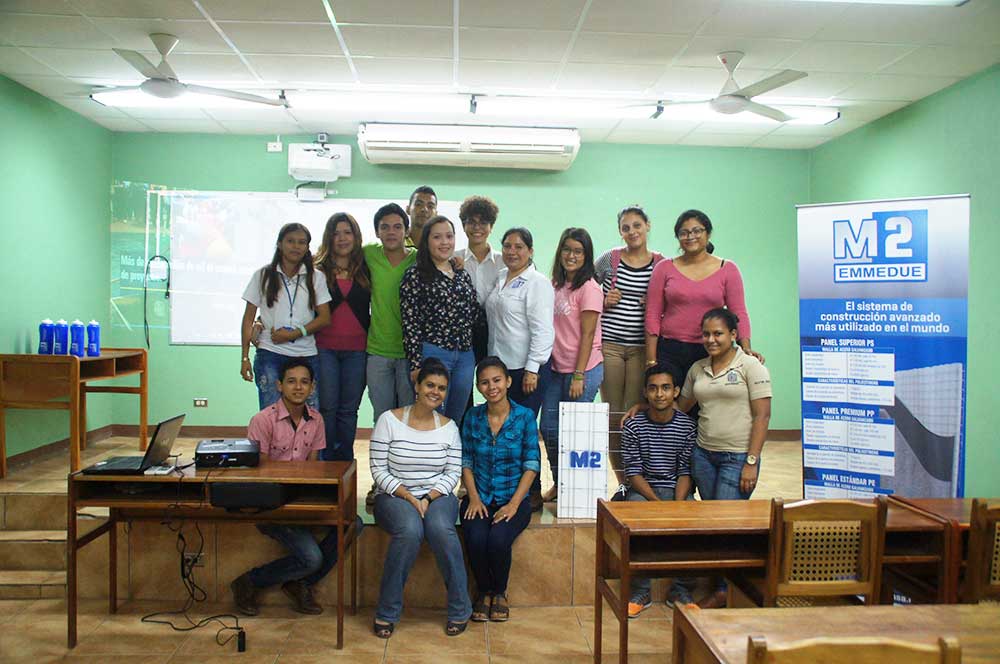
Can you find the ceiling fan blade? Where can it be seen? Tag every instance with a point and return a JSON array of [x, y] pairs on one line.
[[166, 71], [770, 83], [139, 62], [767, 111], [233, 94]]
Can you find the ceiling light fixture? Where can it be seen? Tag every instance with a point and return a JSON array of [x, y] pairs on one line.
[[353, 102], [562, 109], [136, 97]]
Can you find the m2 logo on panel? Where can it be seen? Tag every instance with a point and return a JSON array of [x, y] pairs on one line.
[[584, 459], [890, 246]]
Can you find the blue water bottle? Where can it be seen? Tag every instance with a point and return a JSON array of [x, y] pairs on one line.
[[60, 338], [77, 342], [45, 332], [93, 339]]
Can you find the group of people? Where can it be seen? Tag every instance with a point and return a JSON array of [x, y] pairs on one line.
[[665, 339]]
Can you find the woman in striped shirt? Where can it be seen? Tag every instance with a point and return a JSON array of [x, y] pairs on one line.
[[416, 462], [624, 277]]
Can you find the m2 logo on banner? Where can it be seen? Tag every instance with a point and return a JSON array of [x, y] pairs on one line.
[[883, 325]]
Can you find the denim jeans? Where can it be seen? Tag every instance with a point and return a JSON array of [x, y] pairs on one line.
[[531, 401], [307, 559], [681, 589], [489, 545], [407, 530], [557, 390], [717, 474], [267, 367], [341, 384], [388, 384], [461, 365]]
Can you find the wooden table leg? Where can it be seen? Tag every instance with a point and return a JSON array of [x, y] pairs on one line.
[[341, 536], [71, 566], [74, 416], [354, 569], [143, 401], [113, 561], [83, 416], [3, 442]]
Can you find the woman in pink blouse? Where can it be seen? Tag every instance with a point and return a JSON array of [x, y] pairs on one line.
[[682, 289]]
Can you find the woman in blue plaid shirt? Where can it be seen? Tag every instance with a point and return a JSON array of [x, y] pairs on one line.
[[500, 459]]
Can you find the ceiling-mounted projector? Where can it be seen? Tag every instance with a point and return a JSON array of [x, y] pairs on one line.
[[319, 162]]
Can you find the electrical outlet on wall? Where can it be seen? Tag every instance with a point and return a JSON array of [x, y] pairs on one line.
[[274, 146], [200, 402]]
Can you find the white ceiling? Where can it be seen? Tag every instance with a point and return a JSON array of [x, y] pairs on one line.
[[866, 59]]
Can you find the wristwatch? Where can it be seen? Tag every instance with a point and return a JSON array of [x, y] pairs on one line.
[[751, 460]]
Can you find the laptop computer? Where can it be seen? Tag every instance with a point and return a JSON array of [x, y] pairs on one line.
[[157, 452]]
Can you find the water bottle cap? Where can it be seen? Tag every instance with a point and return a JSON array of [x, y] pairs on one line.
[[47, 321], [61, 321], [77, 322], [93, 322]]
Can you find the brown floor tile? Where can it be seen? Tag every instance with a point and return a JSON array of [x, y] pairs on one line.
[[40, 637], [263, 637], [12, 607], [233, 658], [309, 637], [126, 636], [355, 658], [535, 632], [443, 658], [645, 634], [74, 658]]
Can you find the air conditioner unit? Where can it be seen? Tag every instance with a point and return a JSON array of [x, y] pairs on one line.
[[469, 145], [319, 162]]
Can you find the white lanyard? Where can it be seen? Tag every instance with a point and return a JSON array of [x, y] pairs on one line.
[[291, 298]]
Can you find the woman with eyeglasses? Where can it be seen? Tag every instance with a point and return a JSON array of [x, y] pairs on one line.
[[576, 369], [624, 274], [683, 288]]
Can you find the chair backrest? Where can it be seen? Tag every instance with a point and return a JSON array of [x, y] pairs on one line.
[[982, 578], [825, 548], [856, 650]]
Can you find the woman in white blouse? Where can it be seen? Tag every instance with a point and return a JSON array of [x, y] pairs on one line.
[[416, 463], [519, 313]]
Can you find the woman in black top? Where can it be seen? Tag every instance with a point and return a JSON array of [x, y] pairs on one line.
[[438, 306], [341, 345]]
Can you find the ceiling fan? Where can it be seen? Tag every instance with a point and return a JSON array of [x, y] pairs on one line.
[[734, 99], [161, 81]]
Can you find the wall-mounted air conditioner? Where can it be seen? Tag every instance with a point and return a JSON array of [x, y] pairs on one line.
[[469, 145]]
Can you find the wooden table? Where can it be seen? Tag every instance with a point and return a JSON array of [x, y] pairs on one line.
[[712, 537], [41, 382], [720, 635], [320, 493]]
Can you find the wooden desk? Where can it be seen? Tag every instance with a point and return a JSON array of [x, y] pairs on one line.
[[957, 512], [711, 537], [320, 493], [41, 382], [720, 635]]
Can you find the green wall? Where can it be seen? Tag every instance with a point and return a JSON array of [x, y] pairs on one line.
[[948, 143], [55, 178], [749, 194]]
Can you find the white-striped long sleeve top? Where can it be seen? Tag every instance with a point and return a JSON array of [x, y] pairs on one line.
[[421, 461]]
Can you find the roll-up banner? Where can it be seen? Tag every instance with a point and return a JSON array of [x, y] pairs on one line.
[[883, 305]]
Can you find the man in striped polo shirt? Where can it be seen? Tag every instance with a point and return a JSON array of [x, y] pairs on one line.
[[656, 457]]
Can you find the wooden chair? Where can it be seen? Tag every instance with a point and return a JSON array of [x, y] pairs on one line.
[[819, 552], [857, 650], [982, 576]]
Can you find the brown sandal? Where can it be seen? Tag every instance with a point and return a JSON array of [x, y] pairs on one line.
[[481, 609], [499, 610]]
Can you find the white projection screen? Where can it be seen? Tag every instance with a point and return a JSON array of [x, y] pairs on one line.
[[218, 238]]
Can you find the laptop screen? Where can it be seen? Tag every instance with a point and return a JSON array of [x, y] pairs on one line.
[[163, 440]]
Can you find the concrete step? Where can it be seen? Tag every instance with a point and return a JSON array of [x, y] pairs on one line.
[[32, 584], [32, 550], [34, 511]]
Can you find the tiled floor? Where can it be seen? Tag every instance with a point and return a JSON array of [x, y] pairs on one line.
[[34, 631]]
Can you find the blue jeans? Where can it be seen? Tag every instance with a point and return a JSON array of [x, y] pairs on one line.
[[267, 367], [461, 365], [341, 384], [532, 401], [308, 560], [680, 590], [717, 474], [489, 545], [557, 390], [407, 530], [388, 384]]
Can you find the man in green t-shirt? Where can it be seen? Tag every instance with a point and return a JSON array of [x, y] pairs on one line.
[[388, 369]]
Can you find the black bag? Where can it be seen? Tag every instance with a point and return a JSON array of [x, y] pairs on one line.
[[250, 497]]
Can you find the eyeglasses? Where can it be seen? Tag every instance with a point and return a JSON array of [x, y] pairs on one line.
[[571, 251], [476, 221], [692, 233]]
